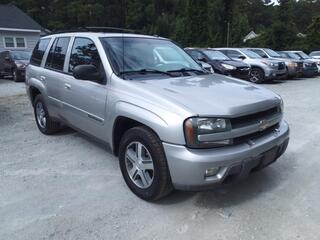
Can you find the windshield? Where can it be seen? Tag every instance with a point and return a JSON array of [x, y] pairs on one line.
[[21, 55], [294, 55], [215, 55], [315, 54], [130, 54], [250, 54], [303, 55], [272, 53]]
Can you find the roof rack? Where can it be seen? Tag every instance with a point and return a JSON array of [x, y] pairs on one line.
[[97, 29]]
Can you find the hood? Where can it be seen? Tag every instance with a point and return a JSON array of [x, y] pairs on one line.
[[273, 60], [211, 95], [286, 60], [25, 62]]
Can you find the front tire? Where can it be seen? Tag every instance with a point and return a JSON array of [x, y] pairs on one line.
[[256, 75], [44, 122], [143, 164], [15, 75]]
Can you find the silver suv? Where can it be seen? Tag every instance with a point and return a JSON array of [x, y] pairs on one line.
[[294, 67], [172, 124], [261, 69]]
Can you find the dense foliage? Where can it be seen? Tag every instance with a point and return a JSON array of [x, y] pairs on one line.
[[191, 22]]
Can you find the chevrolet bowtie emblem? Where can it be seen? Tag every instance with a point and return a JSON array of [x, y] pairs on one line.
[[263, 125]]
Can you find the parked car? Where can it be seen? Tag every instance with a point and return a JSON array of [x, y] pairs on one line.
[[315, 54], [261, 69], [294, 67], [172, 125], [13, 64], [304, 56], [309, 67], [220, 63], [206, 66]]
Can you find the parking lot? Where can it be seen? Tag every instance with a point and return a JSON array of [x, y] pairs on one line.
[[67, 186]]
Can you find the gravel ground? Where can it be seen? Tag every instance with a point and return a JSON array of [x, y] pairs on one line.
[[69, 187]]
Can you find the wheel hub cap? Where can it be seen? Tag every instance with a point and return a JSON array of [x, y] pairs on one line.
[[41, 115], [139, 165]]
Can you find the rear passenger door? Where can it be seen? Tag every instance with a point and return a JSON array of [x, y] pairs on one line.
[[53, 75], [84, 101]]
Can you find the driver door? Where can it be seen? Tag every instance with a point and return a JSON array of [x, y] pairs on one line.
[[84, 101]]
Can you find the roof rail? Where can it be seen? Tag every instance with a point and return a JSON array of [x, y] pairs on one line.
[[96, 29]]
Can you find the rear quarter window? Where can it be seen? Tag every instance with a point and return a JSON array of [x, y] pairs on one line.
[[57, 54], [39, 51]]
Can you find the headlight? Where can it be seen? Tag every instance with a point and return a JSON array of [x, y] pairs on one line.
[[227, 66], [282, 105], [20, 65], [270, 64], [194, 128], [292, 64]]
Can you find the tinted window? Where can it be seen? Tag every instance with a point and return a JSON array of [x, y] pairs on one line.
[[39, 51], [216, 55], [196, 55], [259, 52], [233, 54], [57, 54], [84, 52], [20, 55]]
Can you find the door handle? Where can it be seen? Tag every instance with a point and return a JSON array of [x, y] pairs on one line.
[[67, 86], [42, 78]]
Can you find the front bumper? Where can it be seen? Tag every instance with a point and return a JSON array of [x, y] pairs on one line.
[[21, 73], [310, 71], [188, 166], [271, 73]]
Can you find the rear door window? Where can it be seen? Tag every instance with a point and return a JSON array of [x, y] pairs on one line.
[[57, 54], [39, 51]]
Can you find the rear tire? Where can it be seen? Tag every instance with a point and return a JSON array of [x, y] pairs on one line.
[[149, 183], [256, 75], [45, 124]]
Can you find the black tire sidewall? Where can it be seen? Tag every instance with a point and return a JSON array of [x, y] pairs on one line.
[[15, 75], [156, 152]]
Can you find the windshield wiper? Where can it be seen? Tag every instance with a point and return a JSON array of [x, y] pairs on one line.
[[186, 70], [146, 71]]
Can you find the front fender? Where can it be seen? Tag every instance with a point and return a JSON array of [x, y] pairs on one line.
[[168, 126]]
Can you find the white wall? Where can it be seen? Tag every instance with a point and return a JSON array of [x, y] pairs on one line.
[[31, 38]]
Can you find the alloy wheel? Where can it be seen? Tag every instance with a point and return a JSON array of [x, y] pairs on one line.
[[41, 115], [255, 76], [139, 165]]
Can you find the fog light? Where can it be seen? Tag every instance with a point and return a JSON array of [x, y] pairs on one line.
[[210, 172]]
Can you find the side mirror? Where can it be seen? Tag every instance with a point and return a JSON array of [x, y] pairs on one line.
[[241, 57], [202, 59], [87, 72], [264, 56]]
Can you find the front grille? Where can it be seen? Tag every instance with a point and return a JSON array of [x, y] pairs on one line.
[[253, 118], [253, 136], [281, 66], [300, 65]]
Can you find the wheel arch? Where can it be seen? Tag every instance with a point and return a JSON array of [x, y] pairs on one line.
[[121, 125]]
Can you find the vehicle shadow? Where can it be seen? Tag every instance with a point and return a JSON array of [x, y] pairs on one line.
[[228, 195]]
